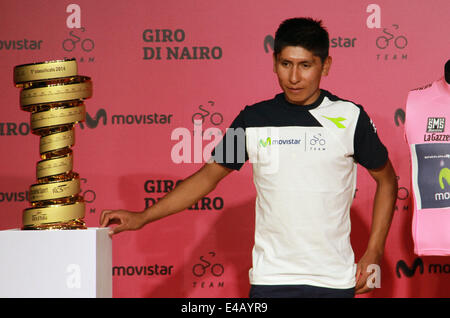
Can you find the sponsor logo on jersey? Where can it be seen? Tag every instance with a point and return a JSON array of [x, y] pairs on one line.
[[435, 130], [433, 175], [435, 124], [317, 143], [336, 120], [269, 142], [444, 174]]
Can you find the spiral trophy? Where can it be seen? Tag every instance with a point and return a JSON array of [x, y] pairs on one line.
[[54, 95]]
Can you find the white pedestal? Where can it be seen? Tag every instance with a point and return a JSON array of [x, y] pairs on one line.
[[56, 263]]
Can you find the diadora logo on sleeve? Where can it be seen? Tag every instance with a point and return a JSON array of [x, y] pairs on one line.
[[336, 120]]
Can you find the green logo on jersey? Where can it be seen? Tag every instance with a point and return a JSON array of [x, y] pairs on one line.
[[444, 174], [265, 143], [336, 121]]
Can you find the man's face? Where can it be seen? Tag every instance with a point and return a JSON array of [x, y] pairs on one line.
[[299, 73]]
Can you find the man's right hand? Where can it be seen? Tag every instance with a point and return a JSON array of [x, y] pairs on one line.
[[126, 220], [183, 196]]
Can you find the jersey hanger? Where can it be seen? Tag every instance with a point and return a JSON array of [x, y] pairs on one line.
[[447, 71]]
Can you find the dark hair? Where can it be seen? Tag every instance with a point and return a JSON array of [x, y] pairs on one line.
[[305, 32]]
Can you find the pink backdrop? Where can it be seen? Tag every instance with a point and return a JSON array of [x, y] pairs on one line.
[[124, 155]]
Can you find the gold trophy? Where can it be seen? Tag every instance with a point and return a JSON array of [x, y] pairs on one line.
[[54, 95]]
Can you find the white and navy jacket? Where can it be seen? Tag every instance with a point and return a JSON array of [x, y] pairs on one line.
[[304, 170]]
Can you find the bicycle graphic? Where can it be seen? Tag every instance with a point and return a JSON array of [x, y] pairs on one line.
[[200, 269], [69, 44], [383, 41], [317, 139], [89, 196], [215, 118]]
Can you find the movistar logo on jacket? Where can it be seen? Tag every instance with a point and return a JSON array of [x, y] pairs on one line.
[[269, 142], [444, 174], [266, 143]]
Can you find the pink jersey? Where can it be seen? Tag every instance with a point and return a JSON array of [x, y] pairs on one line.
[[427, 130]]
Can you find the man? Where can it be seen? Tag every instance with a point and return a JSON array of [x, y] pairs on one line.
[[304, 145]]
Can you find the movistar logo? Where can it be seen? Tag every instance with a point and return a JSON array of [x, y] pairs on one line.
[[444, 174], [265, 143], [409, 271], [269, 141], [336, 121]]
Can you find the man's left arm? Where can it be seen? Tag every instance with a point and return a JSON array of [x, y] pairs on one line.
[[383, 210]]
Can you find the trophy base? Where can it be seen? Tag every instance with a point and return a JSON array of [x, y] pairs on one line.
[[77, 224], [56, 264]]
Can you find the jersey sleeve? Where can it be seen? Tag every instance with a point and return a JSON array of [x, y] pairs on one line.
[[231, 151], [369, 151]]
